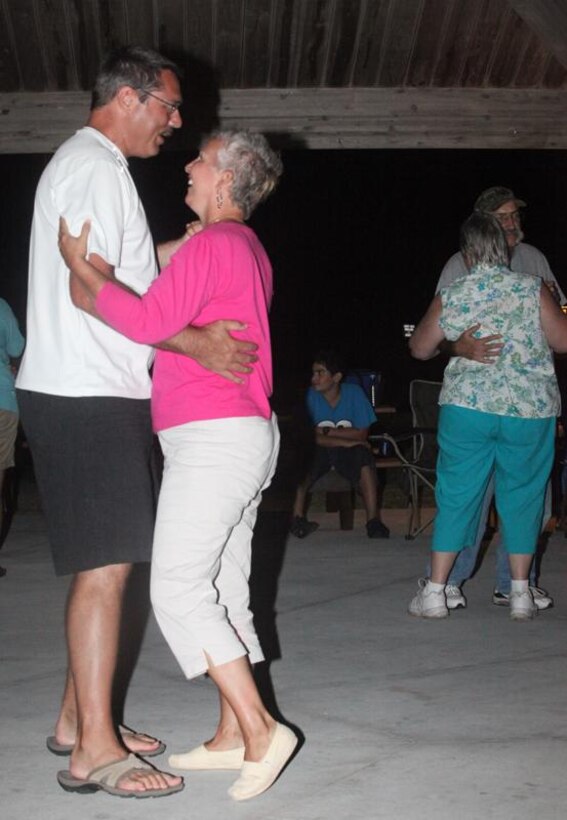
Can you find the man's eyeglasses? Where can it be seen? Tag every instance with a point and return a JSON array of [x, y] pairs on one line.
[[172, 107]]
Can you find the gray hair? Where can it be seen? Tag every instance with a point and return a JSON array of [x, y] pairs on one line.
[[483, 241], [256, 167], [136, 66]]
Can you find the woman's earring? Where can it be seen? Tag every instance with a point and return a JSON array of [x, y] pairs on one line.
[[220, 198]]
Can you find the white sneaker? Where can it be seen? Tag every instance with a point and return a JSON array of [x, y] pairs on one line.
[[541, 599], [522, 607], [427, 603], [455, 598]]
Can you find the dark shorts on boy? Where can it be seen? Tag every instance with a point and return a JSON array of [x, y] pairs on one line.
[[94, 463], [347, 461]]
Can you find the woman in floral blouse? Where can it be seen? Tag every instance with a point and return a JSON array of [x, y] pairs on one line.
[[498, 416]]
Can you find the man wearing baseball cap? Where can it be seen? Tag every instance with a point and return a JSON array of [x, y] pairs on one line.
[[503, 204]]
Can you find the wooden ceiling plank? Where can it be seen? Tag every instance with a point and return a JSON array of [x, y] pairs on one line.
[[461, 25], [294, 17], [256, 44], [477, 48], [548, 18], [170, 29], [532, 70], [57, 35], [372, 34], [132, 22], [277, 44], [497, 43], [198, 29], [362, 10], [228, 48], [444, 45], [20, 68], [70, 29], [328, 42], [555, 74], [399, 40], [343, 43], [429, 42], [316, 23], [513, 36], [522, 74]]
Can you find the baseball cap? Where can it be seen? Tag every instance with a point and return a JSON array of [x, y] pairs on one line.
[[491, 199]]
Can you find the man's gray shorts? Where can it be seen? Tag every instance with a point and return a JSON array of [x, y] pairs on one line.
[[94, 462]]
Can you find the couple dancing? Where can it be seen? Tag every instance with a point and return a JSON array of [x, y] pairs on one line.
[[220, 443], [87, 426]]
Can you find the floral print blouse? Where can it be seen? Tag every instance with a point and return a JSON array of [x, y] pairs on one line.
[[521, 382]]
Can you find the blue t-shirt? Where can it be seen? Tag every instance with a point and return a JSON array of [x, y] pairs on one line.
[[353, 408], [11, 346]]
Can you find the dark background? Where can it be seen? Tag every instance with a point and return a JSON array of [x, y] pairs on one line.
[[357, 240]]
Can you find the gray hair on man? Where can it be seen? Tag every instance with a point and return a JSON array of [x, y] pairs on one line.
[[483, 241], [256, 167], [136, 66]]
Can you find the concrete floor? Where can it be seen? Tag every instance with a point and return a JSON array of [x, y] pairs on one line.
[[405, 719]]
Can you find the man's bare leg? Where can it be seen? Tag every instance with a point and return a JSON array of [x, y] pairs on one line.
[[94, 610], [66, 726]]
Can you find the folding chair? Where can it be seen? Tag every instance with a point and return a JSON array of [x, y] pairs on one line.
[[415, 451]]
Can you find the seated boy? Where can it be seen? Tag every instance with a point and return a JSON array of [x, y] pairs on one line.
[[341, 415]]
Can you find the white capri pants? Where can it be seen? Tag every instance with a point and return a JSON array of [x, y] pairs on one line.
[[214, 475]]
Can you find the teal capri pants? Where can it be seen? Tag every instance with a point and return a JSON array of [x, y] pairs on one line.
[[472, 446]]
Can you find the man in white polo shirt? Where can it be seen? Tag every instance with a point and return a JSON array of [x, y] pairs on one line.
[[83, 391]]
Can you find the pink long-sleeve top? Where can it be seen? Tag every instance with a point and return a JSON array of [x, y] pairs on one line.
[[223, 272]]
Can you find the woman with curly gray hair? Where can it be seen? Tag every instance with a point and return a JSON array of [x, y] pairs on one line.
[[220, 442]]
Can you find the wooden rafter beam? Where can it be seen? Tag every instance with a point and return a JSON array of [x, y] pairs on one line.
[[548, 19], [332, 118]]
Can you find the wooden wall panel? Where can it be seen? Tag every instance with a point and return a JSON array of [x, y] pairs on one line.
[[332, 118], [169, 22]]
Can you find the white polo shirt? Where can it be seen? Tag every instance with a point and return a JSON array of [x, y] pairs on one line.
[[69, 353]]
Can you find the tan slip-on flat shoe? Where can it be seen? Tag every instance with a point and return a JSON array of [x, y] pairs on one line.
[[202, 759], [255, 778]]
